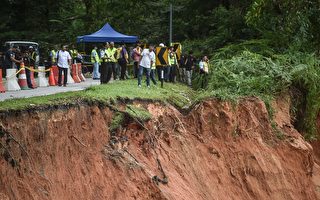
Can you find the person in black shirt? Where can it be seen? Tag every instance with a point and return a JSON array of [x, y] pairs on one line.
[[123, 61], [32, 56], [10, 58], [189, 63], [182, 69], [29, 61]]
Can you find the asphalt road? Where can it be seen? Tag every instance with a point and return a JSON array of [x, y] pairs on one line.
[[42, 91]]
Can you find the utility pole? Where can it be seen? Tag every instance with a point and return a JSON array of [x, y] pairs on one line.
[[170, 36]]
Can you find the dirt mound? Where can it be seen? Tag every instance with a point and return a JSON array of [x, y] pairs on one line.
[[217, 151]]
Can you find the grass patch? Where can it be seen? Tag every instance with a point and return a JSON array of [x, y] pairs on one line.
[[117, 120], [138, 113], [177, 94]]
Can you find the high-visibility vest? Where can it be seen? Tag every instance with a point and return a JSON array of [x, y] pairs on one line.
[[172, 58], [111, 54], [94, 56], [74, 53], [33, 58], [153, 66], [106, 57], [53, 55]]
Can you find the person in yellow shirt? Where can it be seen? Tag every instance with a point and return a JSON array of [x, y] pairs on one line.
[[52, 56], [173, 65], [111, 62], [95, 61], [74, 54]]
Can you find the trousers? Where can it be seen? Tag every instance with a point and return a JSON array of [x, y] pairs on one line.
[[65, 73]]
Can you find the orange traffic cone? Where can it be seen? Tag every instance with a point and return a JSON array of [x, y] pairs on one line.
[[22, 81], [33, 81], [80, 75], [55, 71], [52, 82], [2, 89], [75, 73]]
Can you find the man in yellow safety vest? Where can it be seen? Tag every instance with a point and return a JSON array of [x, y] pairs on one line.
[[111, 62], [74, 54], [95, 61], [173, 65], [52, 56]]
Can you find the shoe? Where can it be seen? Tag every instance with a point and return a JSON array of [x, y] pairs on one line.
[[148, 86], [59, 85], [139, 86], [64, 85]]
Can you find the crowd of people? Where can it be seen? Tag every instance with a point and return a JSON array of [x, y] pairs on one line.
[[110, 62]]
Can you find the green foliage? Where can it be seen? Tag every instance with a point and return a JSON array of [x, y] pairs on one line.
[[216, 29], [259, 46], [305, 71], [252, 74], [56, 22], [248, 74], [138, 113], [287, 22]]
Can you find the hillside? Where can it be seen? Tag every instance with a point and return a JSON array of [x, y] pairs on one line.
[[212, 150]]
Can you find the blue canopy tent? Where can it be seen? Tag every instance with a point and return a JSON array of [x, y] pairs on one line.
[[107, 34]]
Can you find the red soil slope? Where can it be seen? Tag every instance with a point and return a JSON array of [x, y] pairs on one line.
[[217, 151]]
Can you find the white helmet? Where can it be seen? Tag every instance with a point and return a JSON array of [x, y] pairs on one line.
[[161, 45]]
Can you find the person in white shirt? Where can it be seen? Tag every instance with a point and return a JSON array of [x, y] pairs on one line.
[[204, 65], [204, 70], [147, 59], [64, 61]]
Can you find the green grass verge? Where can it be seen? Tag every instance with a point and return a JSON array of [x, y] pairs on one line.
[[177, 94]]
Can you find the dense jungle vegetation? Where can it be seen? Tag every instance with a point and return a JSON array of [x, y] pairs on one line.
[[257, 47]]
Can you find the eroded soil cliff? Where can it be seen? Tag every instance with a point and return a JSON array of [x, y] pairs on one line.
[[216, 151]]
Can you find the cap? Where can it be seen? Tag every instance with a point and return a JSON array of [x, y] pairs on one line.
[[30, 47], [161, 45]]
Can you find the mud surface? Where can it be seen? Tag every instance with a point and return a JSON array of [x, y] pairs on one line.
[[216, 151]]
